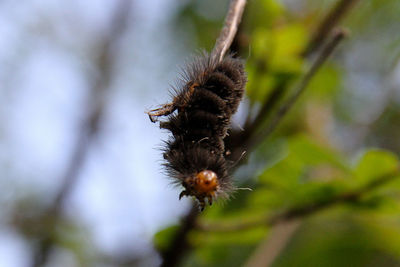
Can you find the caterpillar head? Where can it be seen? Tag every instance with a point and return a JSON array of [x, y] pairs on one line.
[[204, 185]]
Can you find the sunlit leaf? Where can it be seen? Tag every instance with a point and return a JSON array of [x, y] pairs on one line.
[[375, 163], [250, 236]]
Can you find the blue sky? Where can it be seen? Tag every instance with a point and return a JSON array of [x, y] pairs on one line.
[[122, 198]]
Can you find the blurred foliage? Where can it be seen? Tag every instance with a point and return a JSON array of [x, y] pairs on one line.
[[35, 223], [328, 162], [308, 175], [308, 162]]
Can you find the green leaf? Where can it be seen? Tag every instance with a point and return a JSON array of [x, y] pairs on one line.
[[305, 158], [249, 236], [325, 83], [259, 86], [286, 55], [375, 163], [310, 152], [216, 255]]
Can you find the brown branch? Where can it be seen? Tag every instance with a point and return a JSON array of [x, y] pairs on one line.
[[88, 130], [180, 245], [288, 104], [229, 30], [306, 210], [255, 133], [329, 22], [251, 126], [334, 16], [276, 241], [268, 105]]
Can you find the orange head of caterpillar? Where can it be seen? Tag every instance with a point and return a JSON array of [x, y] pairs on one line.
[[203, 185]]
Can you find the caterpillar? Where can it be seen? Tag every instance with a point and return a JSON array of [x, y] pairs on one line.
[[206, 97]]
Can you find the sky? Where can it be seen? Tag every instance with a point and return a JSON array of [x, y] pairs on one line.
[[122, 197]]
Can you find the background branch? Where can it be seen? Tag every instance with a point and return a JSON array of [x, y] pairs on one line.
[[253, 135], [330, 21], [267, 251], [88, 130], [251, 127], [333, 17], [305, 210], [179, 245], [288, 104]]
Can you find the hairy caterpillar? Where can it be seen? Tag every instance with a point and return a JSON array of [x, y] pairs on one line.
[[205, 100]]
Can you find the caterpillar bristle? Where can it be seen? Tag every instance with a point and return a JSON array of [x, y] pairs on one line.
[[206, 97]]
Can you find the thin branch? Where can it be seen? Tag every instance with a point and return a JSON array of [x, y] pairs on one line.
[[88, 130], [270, 249], [334, 16], [288, 104], [180, 245], [306, 210], [266, 108], [238, 139], [229, 30], [330, 21]]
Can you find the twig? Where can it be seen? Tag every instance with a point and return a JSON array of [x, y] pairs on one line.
[[229, 30], [179, 245], [338, 12], [303, 211], [268, 250], [266, 108], [87, 132], [330, 21], [287, 105]]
